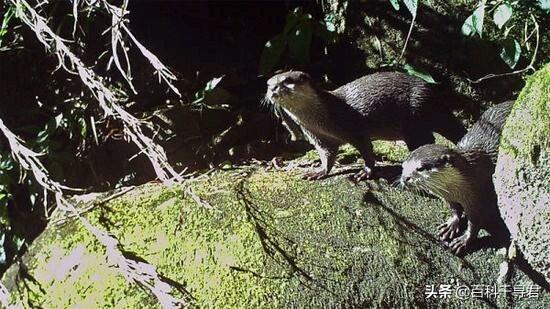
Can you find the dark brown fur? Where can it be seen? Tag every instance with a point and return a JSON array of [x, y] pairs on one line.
[[387, 105], [463, 177]]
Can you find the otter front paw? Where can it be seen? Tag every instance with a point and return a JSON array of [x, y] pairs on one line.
[[450, 229], [365, 173], [276, 163], [460, 244], [315, 175]]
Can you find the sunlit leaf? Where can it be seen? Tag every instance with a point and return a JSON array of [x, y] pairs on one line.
[[395, 4], [325, 32], [83, 127], [10, 12], [2, 249], [544, 4], [58, 120], [502, 14], [330, 26], [419, 73], [377, 44], [474, 22], [511, 50], [412, 5], [211, 84]]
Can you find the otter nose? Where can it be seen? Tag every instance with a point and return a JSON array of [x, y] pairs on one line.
[[405, 179]]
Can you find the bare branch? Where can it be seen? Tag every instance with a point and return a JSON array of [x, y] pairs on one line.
[[138, 272], [107, 99], [529, 67]]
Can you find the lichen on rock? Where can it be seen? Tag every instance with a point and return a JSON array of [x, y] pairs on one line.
[[522, 175]]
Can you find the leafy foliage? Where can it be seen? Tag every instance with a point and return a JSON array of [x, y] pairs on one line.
[[474, 23], [412, 7], [296, 39], [511, 50], [419, 73], [8, 15], [503, 12]]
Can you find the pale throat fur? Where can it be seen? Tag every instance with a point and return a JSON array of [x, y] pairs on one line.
[[443, 180], [303, 104]]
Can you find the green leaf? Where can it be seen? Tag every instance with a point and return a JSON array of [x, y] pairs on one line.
[[211, 84], [474, 23], [419, 73], [58, 120], [377, 44], [412, 5], [83, 127], [545, 5], [5, 21], [502, 14], [395, 4], [511, 50], [299, 41], [272, 53]]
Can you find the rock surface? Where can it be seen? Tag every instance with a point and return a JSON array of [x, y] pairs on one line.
[[272, 240], [522, 175]]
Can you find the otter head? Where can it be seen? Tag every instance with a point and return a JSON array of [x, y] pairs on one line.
[[290, 89], [436, 169]]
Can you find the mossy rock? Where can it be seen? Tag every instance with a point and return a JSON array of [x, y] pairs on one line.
[[522, 176], [271, 240]]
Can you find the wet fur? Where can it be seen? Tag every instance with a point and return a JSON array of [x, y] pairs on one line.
[[388, 105], [463, 176]]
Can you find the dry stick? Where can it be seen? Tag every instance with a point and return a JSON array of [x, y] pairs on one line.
[[143, 274], [408, 36], [529, 67], [106, 98], [92, 205], [5, 299], [118, 44]]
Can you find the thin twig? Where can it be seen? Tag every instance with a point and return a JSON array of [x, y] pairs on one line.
[[529, 67], [108, 100], [134, 271], [93, 204], [408, 37]]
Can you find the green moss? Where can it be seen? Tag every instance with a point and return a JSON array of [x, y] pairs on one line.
[[529, 123], [522, 177], [390, 151], [272, 240]]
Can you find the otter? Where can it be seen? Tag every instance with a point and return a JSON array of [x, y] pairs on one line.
[[385, 105], [463, 178]]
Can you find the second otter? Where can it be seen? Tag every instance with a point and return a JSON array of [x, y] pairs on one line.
[[386, 105], [463, 178]]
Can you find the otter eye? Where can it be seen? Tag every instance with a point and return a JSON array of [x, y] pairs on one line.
[[427, 166]]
